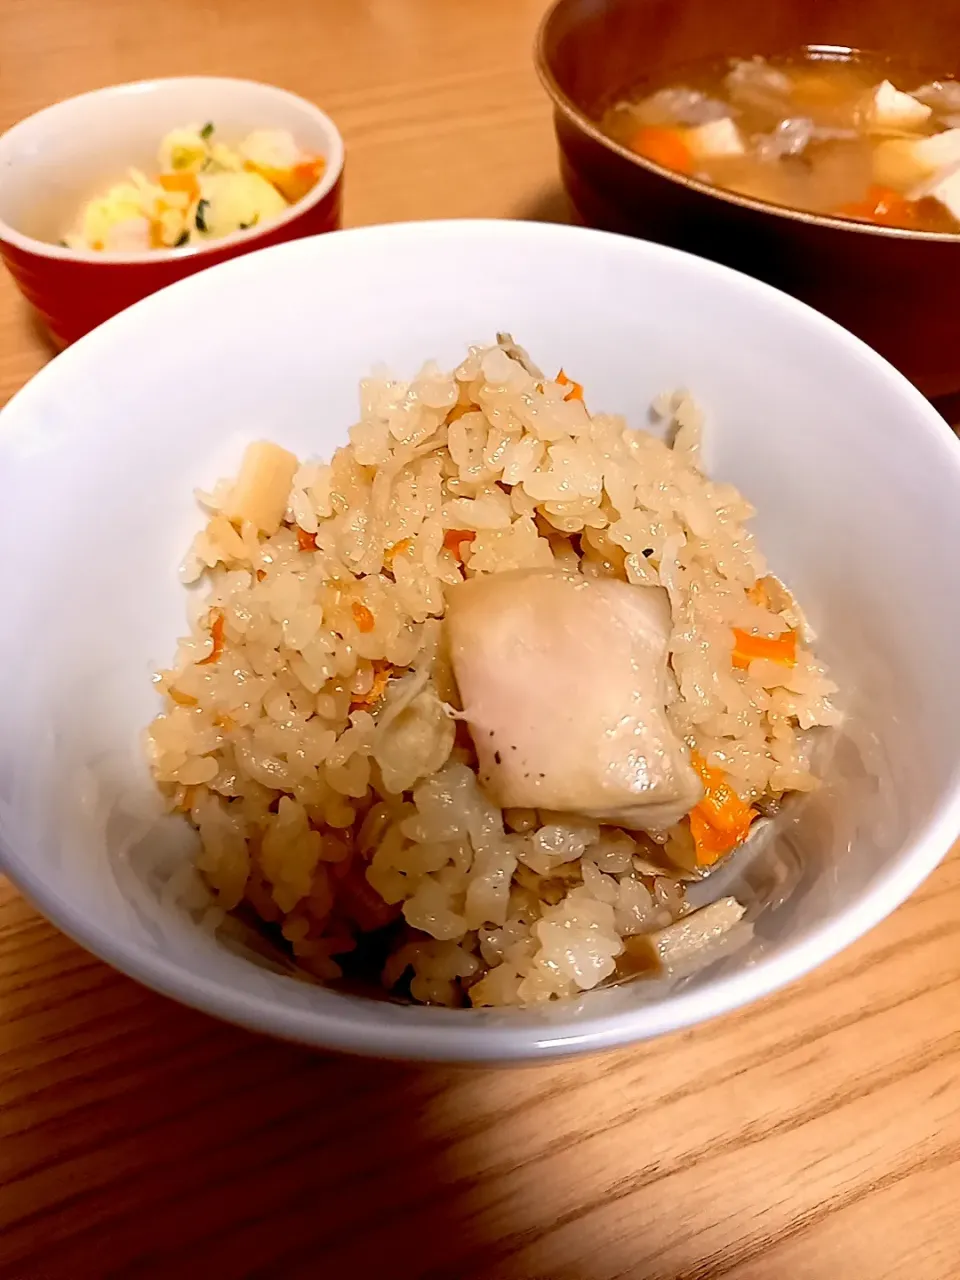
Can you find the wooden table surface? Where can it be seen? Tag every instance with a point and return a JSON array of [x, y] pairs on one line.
[[812, 1137]]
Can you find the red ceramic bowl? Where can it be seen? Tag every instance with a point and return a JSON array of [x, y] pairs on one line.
[[54, 161]]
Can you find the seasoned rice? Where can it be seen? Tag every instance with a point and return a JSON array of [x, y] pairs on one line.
[[309, 728]]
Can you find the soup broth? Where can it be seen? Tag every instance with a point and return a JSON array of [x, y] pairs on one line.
[[846, 134]]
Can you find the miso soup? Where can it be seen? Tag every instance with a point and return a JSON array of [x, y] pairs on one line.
[[830, 132]]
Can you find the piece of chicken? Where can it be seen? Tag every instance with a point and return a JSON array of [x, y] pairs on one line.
[[563, 681]]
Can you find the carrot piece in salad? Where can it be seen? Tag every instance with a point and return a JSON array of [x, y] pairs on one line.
[[710, 844], [721, 821], [666, 147], [455, 539], [293, 184], [884, 207], [747, 648], [184, 182], [216, 634], [362, 616], [306, 541]]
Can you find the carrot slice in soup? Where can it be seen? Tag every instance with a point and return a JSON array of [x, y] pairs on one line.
[[666, 147], [884, 207]]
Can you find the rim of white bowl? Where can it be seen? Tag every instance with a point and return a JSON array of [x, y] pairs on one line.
[[46, 249], [466, 1036]]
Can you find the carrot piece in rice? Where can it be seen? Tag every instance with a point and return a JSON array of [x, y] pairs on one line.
[[397, 549], [748, 648], [362, 616], [216, 634], [576, 388], [381, 678], [359, 902], [721, 820], [455, 539]]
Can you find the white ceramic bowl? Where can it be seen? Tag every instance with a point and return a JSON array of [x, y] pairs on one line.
[[856, 481]]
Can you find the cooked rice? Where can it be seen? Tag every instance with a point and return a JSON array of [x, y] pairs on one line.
[[316, 753]]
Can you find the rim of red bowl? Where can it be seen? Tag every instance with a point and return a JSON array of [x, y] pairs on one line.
[[578, 116], [331, 175]]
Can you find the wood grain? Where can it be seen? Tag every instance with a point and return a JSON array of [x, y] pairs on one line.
[[814, 1136]]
